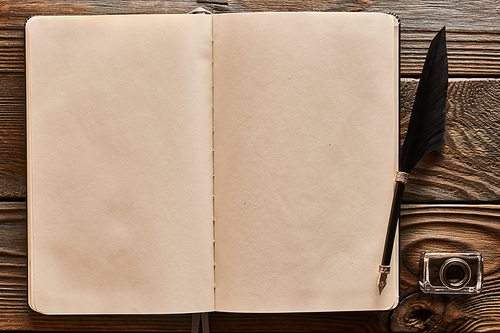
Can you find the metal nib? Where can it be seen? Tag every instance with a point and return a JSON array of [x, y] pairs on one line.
[[383, 271], [382, 281]]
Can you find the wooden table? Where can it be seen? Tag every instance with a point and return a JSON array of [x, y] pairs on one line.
[[452, 200]]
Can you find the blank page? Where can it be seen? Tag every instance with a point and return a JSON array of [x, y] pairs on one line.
[[306, 141], [120, 164]]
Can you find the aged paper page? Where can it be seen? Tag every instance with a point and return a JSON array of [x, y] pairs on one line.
[[120, 164], [306, 139]]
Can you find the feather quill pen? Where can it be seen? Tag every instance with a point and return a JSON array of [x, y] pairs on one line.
[[426, 132]]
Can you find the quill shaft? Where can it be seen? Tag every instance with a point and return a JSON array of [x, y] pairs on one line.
[[393, 222], [385, 268]]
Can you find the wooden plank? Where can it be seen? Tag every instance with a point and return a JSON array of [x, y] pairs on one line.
[[477, 15], [300, 322], [448, 228], [466, 169], [423, 228], [12, 51], [12, 136], [469, 53], [471, 15]]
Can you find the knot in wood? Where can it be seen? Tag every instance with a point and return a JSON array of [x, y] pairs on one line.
[[417, 313]]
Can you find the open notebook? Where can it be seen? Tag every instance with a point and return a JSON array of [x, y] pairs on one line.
[[189, 163]]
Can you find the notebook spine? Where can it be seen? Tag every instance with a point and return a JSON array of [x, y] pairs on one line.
[[213, 159], [203, 11]]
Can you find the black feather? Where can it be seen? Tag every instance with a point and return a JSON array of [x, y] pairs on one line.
[[426, 130]]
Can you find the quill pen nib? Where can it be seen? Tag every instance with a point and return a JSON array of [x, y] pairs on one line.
[[383, 271]]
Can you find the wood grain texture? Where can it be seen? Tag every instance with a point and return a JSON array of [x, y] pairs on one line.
[[470, 54], [423, 228], [467, 167], [12, 136], [11, 51], [448, 228], [472, 15]]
